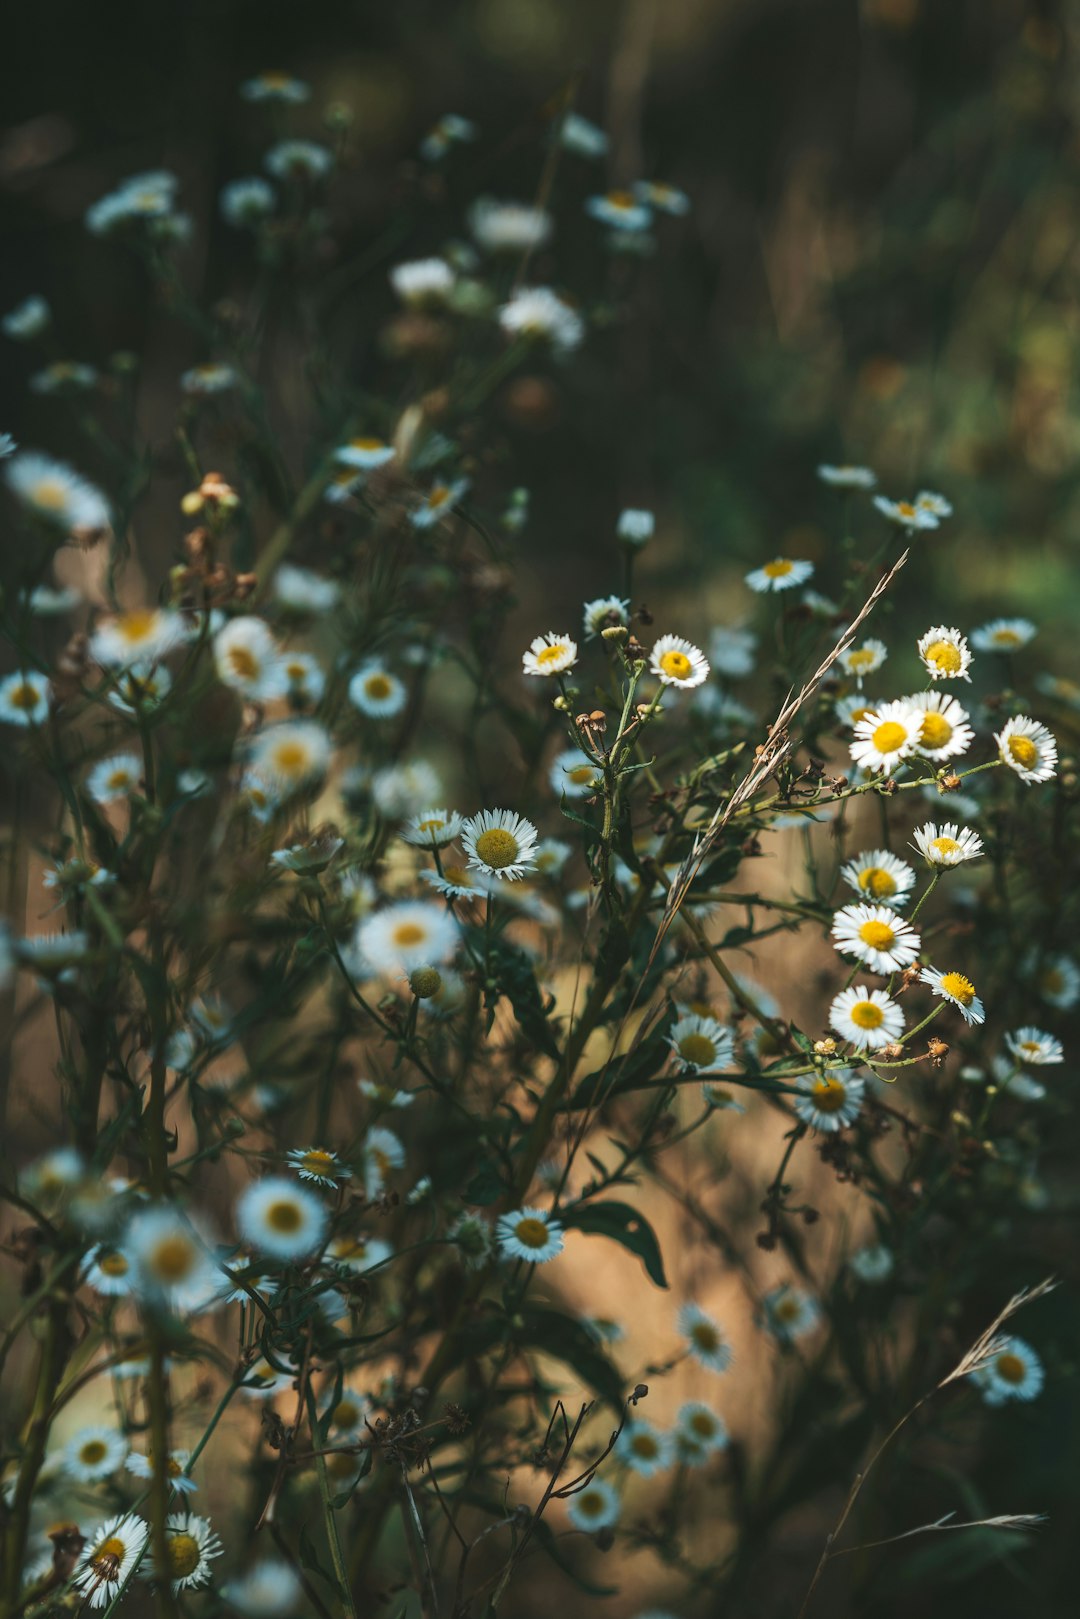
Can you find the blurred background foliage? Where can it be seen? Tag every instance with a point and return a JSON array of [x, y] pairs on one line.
[[880, 266]]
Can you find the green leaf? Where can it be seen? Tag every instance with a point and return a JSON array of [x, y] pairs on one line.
[[624, 1225], [518, 982], [622, 1074], [486, 1186], [565, 1338]]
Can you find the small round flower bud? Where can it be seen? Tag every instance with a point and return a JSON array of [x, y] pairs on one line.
[[425, 982], [616, 633]]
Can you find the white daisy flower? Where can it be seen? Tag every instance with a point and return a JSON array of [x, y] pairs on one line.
[[530, 1234], [1034, 1046], [473, 1238], [180, 1482], [864, 660], [432, 828], [248, 659], [846, 477], [1028, 748], [872, 1264], [644, 1448], [959, 990], [64, 376], [783, 573], [171, 1260], [539, 312], [24, 699], [376, 692], [881, 877], [401, 790], [1015, 1372], [246, 202], [1003, 635], [550, 654], [141, 636], [875, 935], [500, 843], [209, 378], [27, 320], [851, 709], [636, 525], [885, 735], [359, 1252], [658, 194], [409, 934], [382, 1152], [945, 653], [621, 210], [55, 492], [108, 1271], [945, 732], [508, 227], [832, 1101], [140, 688], [303, 591], [578, 134], [1057, 980], [298, 160], [423, 283], [702, 1044], [731, 650], [270, 1589], [365, 454], [704, 1339], [317, 1164], [593, 1507], [572, 774], [275, 87], [305, 676], [907, 513], [604, 612], [868, 1018], [927, 501], [440, 499], [94, 1453], [115, 778], [790, 1312], [699, 1433], [677, 662], [277, 1216], [191, 1545], [291, 755], [109, 1558], [948, 844]]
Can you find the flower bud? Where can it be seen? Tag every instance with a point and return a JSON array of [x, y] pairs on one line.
[[425, 982]]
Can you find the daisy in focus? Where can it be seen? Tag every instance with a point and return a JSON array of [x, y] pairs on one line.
[[1013, 1372], [1028, 748], [190, 1545], [945, 654], [880, 876], [604, 613], [860, 661], [886, 735], [530, 1234], [432, 828], [550, 654], [948, 844], [832, 1101], [957, 989], [110, 1557], [317, 1164], [500, 843], [676, 662], [783, 573], [868, 1018], [701, 1044], [876, 936], [945, 732]]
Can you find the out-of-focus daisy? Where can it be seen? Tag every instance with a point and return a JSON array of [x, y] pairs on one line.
[[644, 1448], [115, 778], [948, 844], [885, 735], [704, 1339], [303, 591], [731, 650], [881, 877], [358, 1252], [1003, 635], [864, 660], [580, 135], [790, 1312], [210, 378], [851, 709], [171, 1259], [409, 934], [247, 202], [832, 1101], [783, 573], [1028, 748], [868, 1018], [550, 654], [666, 199], [298, 160], [530, 1234], [699, 1433], [1057, 980], [636, 525], [508, 227], [24, 699], [595, 1506], [872, 1264], [423, 283], [400, 790], [473, 1238], [382, 1152], [500, 843], [945, 732], [959, 990], [305, 677], [1014, 1372], [847, 477], [140, 688], [376, 692], [94, 1453], [440, 499], [432, 828], [64, 376], [108, 1271], [180, 1482], [248, 659], [141, 636], [277, 1216], [365, 454], [1034, 1046], [275, 86], [317, 1164], [907, 513], [190, 1546], [458, 882], [876, 936], [55, 492], [676, 662], [109, 1558], [27, 320], [603, 613], [573, 773], [927, 501], [621, 210], [539, 312], [945, 653], [291, 755], [702, 1044], [270, 1589]]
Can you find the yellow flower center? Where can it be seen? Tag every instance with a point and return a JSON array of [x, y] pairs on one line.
[[184, 1555], [1010, 1367], [26, 697], [378, 686], [644, 1445], [944, 655], [113, 1264], [862, 660], [878, 935], [318, 1162], [867, 1015], [829, 1095], [366, 445], [676, 664], [174, 1258], [1052, 981], [1023, 751], [621, 199], [874, 880], [960, 988], [497, 847], [531, 1233], [346, 1414], [94, 1451], [458, 874], [702, 1425], [581, 774], [944, 846], [438, 495], [134, 627], [905, 508], [697, 1049], [858, 714], [787, 1309], [408, 934], [244, 664], [284, 1216], [591, 1503], [1030, 1048], [889, 736], [350, 1248], [291, 758], [551, 654], [435, 823], [778, 569], [935, 730], [108, 1557], [704, 1336], [119, 780], [50, 493]]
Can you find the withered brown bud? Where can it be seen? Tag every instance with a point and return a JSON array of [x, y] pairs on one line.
[[949, 783], [936, 1050], [244, 584], [892, 1052]]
